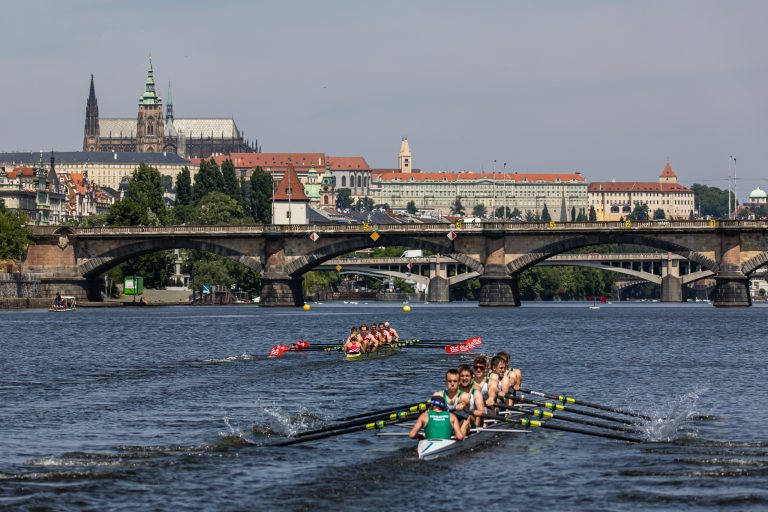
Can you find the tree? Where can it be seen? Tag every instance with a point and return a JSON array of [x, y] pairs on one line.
[[573, 214], [245, 197], [2, 205], [457, 208], [545, 216], [592, 214], [581, 217], [364, 204], [343, 198], [411, 208], [531, 216], [261, 191], [14, 234], [231, 185], [711, 201], [659, 214], [208, 179], [167, 183], [156, 268], [639, 212], [479, 210], [217, 208], [183, 187], [515, 214], [143, 202]]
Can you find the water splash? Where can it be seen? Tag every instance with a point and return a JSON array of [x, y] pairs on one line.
[[232, 359], [674, 417]]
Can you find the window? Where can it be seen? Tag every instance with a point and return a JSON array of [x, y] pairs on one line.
[[359, 181], [343, 181]]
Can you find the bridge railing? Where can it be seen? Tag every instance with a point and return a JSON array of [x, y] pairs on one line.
[[257, 229]]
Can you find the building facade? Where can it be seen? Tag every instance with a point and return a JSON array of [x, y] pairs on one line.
[[154, 131], [104, 168], [614, 201], [34, 191], [437, 192]]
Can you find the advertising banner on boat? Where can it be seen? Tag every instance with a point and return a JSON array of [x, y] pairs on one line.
[[133, 285]]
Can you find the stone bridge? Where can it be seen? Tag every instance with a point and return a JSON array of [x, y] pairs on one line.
[[498, 252]]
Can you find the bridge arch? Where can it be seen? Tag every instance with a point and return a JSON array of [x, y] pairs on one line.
[[537, 255], [324, 253], [754, 263], [93, 267]]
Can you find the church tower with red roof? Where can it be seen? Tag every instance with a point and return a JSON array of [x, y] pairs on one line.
[[290, 203]]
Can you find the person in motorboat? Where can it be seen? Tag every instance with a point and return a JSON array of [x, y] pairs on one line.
[[57, 301], [438, 422]]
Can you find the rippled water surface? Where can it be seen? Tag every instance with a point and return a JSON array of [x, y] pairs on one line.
[[157, 408]]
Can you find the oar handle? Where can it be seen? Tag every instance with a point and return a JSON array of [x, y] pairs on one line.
[[390, 416], [525, 422], [560, 407], [570, 400], [373, 414]]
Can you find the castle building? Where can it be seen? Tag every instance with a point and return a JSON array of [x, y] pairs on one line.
[[153, 131]]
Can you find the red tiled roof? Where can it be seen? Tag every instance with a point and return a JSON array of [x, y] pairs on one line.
[[636, 186], [23, 171], [474, 176], [668, 172], [348, 163], [290, 182], [274, 161]]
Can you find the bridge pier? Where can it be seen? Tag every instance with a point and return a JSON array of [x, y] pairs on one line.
[[671, 288], [731, 285], [438, 290], [497, 287], [280, 290]]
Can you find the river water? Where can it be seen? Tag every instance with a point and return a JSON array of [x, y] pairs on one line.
[[151, 408]]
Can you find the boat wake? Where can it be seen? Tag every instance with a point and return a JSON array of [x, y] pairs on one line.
[[274, 421], [233, 359]]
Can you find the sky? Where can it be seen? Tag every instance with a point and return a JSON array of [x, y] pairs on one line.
[[612, 89]]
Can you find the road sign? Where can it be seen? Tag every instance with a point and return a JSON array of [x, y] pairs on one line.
[[457, 224], [410, 266], [375, 236], [366, 226], [314, 236], [713, 222], [206, 289], [628, 223], [451, 235], [338, 268]]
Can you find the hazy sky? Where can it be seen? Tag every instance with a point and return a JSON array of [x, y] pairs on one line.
[[613, 89]]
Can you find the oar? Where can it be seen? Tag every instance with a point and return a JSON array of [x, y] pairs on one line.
[[374, 414], [542, 414], [376, 425], [570, 400], [525, 422], [560, 407], [391, 416]]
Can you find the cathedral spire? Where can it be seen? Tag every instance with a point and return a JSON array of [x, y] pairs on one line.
[[169, 106], [150, 97], [91, 135]]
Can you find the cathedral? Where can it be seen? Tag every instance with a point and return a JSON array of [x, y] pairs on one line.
[[153, 131]]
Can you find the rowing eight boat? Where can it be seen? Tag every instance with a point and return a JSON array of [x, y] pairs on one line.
[[386, 351]]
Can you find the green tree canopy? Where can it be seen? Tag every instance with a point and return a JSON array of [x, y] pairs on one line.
[[457, 208], [143, 203], [411, 208], [592, 214], [14, 234], [639, 212], [545, 216], [183, 187], [573, 214], [659, 214], [711, 201], [344, 198], [261, 190], [208, 179], [364, 204], [479, 210], [231, 183], [217, 208]]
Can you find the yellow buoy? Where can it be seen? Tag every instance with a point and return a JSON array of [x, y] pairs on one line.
[[406, 309], [307, 307]]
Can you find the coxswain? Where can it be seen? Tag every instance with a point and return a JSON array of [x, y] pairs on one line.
[[392, 332], [514, 377], [438, 422], [353, 345]]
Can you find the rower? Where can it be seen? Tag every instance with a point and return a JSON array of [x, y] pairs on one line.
[[375, 336], [514, 377], [438, 422], [353, 345], [497, 379], [455, 398], [392, 332], [386, 338], [366, 339], [479, 389]]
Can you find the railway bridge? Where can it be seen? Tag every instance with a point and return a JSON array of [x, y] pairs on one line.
[[74, 258]]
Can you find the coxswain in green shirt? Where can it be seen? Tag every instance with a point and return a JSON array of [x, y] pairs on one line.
[[438, 422]]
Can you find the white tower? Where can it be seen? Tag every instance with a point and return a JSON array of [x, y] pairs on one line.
[[405, 157]]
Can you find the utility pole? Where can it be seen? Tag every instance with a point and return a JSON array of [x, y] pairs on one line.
[[730, 163]]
